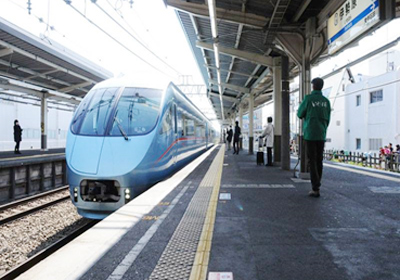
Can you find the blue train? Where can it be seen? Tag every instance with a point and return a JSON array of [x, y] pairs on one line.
[[124, 138]]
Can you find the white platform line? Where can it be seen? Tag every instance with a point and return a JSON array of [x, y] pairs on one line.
[[129, 259], [371, 174]]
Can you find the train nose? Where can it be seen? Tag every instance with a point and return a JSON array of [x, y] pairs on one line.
[[86, 154]]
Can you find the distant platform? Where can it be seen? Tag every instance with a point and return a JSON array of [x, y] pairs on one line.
[[8, 158], [223, 216]]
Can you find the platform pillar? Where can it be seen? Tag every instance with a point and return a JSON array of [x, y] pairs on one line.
[[241, 125], [251, 122], [277, 80], [43, 122], [285, 141]]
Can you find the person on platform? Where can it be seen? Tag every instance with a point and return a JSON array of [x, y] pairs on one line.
[[316, 112], [229, 137], [236, 139], [17, 136], [269, 134]]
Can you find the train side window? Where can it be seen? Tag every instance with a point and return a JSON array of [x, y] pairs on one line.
[[189, 127], [167, 121], [175, 119]]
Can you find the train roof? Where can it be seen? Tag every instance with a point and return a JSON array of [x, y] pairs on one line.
[[132, 81]]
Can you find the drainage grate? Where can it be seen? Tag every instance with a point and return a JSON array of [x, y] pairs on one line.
[[178, 257]]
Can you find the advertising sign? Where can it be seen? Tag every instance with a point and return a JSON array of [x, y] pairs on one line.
[[350, 21]]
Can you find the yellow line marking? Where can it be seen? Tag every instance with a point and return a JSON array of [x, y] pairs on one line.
[[371, 174], [150, 218], [212, 179], [164, 203]]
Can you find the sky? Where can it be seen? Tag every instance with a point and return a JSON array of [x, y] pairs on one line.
[[155, 26]]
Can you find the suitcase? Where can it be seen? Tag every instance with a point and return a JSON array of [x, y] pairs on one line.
[[260, 158]]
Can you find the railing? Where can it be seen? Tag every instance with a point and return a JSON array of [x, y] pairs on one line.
[[387, 162], [24, 178]]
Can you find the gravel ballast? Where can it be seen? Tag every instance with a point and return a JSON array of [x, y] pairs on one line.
[[23, 238]]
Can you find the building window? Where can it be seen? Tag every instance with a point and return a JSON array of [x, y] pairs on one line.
[[358, 100], [358, 144], [375, 144], [376, 96]]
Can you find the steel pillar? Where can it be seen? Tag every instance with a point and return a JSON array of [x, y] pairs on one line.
[[285, 140], [251, 122], [241, 125], [277, 80], [43, 122], [305, 89]]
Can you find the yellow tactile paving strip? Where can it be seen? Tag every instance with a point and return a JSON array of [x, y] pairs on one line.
[[188, 249], [212, 179]]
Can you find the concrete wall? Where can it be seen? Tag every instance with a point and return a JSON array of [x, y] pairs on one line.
[[29, 119]]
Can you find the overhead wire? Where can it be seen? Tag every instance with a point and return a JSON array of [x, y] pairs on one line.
[[117, 41], [133, 37]]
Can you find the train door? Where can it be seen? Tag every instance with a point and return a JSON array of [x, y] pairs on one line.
[[176, 134]]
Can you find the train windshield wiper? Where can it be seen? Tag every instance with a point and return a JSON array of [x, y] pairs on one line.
[[120, 128]]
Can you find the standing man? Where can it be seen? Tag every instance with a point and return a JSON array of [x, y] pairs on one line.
[[236, 138], [17, 136], [269, 134], [316, 112], [229, 138]]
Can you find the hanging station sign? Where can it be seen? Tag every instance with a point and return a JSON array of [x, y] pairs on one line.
[[351, 20]]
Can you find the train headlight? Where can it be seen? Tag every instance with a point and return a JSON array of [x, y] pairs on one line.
[[75, 194], [127, 197], [127, 191]]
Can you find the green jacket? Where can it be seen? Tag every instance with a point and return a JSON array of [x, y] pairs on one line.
[[316, 112]]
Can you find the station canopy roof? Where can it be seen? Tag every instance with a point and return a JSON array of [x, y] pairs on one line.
[[32, 65], [247, 32]]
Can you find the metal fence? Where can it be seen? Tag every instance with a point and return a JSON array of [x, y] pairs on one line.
[[386, 162], [31, 177]]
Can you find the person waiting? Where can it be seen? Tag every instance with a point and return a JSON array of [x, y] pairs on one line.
[[229, 137], [17, 136], [236, 138], [269, 143]]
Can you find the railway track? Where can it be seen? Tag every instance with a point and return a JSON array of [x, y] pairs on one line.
[[33, 209], [21, 268]]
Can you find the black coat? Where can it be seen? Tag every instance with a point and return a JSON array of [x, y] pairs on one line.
[[230, 135], [17, 133], [236, 136]]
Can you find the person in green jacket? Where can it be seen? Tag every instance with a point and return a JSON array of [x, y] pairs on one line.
[[315, 110]]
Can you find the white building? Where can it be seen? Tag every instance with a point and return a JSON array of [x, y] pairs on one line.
[[365, 116]]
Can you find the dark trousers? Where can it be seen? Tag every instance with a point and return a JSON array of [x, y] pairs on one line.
[[229, 145], [17, 146], [269, 156], [236, 147], [315, 150]]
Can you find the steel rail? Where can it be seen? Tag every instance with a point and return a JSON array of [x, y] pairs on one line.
[[23, 267], [32, 210], [31, 198]]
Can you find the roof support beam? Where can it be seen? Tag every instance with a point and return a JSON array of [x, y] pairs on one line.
[[48, 63], [230, 86], [5, 52], [201, 10], [37, 74], [45, 73], [301, 9], [248, 56], [232, 72], [77, 86], [228, 98]]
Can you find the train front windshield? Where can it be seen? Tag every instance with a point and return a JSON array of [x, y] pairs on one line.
[[135, 112]]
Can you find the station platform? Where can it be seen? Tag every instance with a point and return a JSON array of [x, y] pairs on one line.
[[9, 158], [224, 217]]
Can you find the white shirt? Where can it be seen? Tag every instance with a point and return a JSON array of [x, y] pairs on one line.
[[269, 134]]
